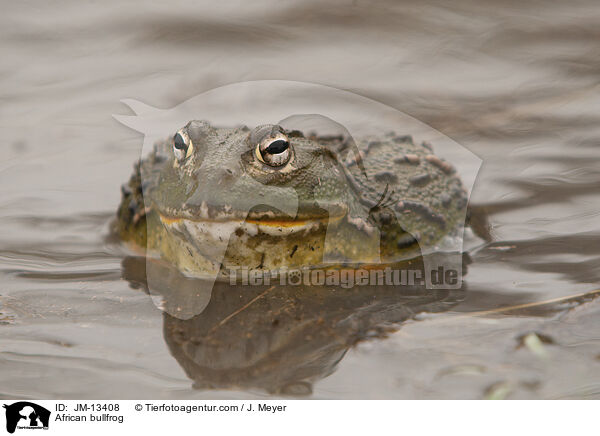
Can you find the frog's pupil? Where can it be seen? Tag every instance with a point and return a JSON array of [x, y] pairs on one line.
[[277, 147], [178, 142]]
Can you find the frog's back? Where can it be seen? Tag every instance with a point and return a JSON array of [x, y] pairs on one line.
[[407, 185]]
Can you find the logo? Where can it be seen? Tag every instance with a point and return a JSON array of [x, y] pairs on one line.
[[26, 415]]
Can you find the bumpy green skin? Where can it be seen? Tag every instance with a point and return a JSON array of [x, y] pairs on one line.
[[382, 195]]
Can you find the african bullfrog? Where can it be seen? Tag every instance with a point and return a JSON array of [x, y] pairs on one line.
[[210, 198]]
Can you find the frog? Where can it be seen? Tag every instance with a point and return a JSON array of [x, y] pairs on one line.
[[213, 199]]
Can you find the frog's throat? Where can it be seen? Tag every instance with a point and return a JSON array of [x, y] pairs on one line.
[[223, 229]]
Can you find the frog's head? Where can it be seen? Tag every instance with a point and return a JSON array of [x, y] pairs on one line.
[[275, 179]]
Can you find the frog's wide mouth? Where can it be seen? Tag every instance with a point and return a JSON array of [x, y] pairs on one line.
[[252, 225], [261, 219]]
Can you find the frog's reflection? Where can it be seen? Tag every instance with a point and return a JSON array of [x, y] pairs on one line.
[[276, 338]]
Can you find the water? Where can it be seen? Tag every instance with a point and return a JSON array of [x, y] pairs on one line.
[[516, 83]]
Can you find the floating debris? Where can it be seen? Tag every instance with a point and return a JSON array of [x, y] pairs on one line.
[[535, 342], [498, 391]]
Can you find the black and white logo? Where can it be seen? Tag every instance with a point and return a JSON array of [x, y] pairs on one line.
[[26, 415]]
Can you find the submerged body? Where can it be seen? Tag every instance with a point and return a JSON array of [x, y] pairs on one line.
[[212, 199]]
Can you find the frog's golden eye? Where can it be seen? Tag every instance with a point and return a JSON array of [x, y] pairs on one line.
[[182, 146], [274, 152]]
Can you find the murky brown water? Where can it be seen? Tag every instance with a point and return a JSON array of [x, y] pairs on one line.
[[516, 83]]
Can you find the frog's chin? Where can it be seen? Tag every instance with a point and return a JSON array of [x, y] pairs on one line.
[[222, 230]]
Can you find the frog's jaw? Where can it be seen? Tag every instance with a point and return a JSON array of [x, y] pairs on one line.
[[198, 229], [201, 247], [209, 248]]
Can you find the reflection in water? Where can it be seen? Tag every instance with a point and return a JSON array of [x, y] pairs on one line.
[[276, 338]]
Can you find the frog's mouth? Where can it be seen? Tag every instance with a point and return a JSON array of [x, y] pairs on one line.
[[251, 226]]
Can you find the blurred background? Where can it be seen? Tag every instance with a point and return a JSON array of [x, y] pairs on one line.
[[515, 82]]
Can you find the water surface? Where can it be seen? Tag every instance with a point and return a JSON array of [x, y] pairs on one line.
[[517, 83]]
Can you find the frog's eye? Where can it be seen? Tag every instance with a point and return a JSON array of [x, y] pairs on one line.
[[274, 152], [181, 146]]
